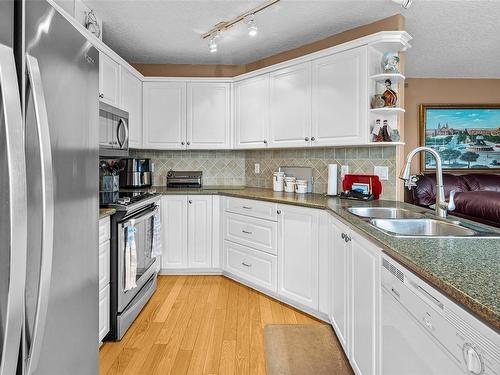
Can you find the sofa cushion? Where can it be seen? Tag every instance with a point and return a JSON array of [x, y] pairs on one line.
[[424, 194], [477, 181], [483, 205]]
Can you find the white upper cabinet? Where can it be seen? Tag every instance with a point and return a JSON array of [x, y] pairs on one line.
[[339, 99], [199, 231], [298, 254], [208, 115], [131, 101], [109, 80], [164, 115], [251, 112], [290, 106]]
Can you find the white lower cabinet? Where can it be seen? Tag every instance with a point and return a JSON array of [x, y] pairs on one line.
[[254, 266], [186, 231], [355, 297], [298, 254], [103, 312]]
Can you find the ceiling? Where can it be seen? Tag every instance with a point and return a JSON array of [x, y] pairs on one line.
[[452, 38]]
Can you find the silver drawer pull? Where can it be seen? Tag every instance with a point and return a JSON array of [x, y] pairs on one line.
[[247, 208], [246, 264], [246, 232], [430, 296]]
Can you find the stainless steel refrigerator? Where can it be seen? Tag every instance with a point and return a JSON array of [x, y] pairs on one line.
[[48, 193]]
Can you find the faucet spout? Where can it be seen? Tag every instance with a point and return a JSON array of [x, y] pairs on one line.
[[441, 204]]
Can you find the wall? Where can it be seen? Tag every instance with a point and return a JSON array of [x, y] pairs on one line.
[[442, 91], [395, 22], [236, 168], [360, 160]]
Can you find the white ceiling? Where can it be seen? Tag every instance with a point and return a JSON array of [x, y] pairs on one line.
[[452, 38]]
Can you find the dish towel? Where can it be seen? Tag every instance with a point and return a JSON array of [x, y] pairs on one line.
[[130, 258], [156, 246]]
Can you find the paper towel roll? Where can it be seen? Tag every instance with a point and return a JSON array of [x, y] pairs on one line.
[[332, 179]]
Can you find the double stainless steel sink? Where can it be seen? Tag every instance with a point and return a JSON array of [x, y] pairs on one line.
[[400, 222]]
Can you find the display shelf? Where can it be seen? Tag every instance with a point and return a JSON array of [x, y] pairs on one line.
[[386, 143], [387, 110], [394, 77]]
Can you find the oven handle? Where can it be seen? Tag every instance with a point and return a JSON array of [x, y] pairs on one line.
[[140, 217]]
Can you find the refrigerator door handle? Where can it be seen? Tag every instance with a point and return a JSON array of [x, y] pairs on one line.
[[42, 123], [11, 115]]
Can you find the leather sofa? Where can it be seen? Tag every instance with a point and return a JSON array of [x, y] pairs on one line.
[[477, 195]]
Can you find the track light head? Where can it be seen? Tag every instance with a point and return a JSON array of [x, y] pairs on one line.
[[252, 26], [404, 3], [212, 42]]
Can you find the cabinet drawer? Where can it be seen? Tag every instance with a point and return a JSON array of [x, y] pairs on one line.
[[250, 207], [103, 264], [103, 312], [249, 231], [104, 230], [252, 265]]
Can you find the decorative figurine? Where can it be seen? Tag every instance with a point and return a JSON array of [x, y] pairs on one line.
[[390, 63], [395, 135], [377, 101], [390, 96], [375, 131], [385, 132]]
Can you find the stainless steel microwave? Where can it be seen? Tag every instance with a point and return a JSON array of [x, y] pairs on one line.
[[113, 131]]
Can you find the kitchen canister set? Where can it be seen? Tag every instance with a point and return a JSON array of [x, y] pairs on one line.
[[288, 184]]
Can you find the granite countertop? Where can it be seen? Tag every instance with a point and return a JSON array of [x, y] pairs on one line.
[[465, 269], [105, 212]]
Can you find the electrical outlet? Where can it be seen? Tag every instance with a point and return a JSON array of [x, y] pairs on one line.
[[381, 172], [257, 168], [344, 169]]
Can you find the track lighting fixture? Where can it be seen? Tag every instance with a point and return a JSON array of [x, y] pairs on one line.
[[252, 26], [404, 3], [212, 42]]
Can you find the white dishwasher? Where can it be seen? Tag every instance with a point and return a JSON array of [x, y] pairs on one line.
[[424, 333]]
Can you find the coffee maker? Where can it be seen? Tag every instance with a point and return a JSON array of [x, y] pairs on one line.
[[136, 173]]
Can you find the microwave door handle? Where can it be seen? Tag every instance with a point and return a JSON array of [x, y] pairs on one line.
[[42, 123], [121, 123], [11, 116]]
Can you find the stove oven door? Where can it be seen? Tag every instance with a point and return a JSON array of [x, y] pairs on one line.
[[146, 262]]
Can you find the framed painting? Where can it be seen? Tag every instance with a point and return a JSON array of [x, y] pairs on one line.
[[467, 137]]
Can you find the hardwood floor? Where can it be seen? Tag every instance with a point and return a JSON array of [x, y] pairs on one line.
[[199, 325]]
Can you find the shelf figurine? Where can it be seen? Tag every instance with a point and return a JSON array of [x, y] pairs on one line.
[[390, 96]]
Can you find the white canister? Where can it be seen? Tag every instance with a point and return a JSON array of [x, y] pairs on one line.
[[289, 184], [301, 186], [278, 181]]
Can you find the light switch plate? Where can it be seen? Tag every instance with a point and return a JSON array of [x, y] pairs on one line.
[[257, 168], [344, 169], [381, 172]]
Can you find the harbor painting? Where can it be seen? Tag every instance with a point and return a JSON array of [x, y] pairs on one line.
[[467, 137]]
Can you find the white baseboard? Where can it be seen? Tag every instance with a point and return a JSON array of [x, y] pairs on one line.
[[191, 271]]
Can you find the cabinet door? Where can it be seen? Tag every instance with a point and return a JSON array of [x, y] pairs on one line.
[[339, 280], [131, 101], [164, 115], [339, 99], [174, 226], [365, 306], [208, 115], [298, 254], [290, 106], [251, 112], [109, 80], [200, 231], [104, 301]]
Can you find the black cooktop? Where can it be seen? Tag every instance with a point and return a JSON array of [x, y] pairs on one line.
[[122, 198]]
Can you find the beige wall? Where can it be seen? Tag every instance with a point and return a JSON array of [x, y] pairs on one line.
[[443, 91], [395, 22]]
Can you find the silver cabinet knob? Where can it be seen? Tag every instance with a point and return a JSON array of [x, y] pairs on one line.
[[190, 201], [182, 143], [188, 143], [265, 141], [313, 139], [306, 139], [278, 212], [343, 236], [101, 96]]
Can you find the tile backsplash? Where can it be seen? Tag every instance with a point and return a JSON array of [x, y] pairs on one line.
[[218, 167], [236, 168]]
